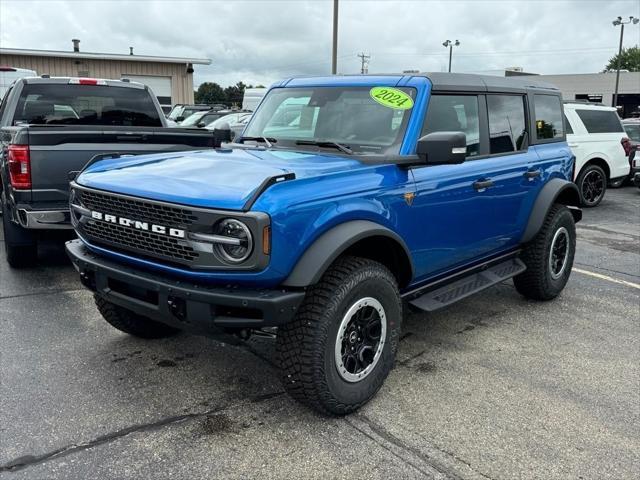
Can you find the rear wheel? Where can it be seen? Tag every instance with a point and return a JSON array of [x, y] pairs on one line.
[[20, 244], [592, 184], [129, 322], [337, 352], [549, 257]]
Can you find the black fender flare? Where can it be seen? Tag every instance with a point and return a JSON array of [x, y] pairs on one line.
[[556, 190], [331, 244]]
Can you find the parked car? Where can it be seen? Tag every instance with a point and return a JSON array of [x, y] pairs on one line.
[[595, 135], [205, 118], [389, 189], [236, 121], [632, 127], [252, 98], [50, 127], [8, 75], [181, 111]]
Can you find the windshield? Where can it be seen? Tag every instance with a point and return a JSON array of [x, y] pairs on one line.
[[350, 116], [633, 130], [192, 119]]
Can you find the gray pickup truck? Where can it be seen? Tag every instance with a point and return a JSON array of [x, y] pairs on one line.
[[52, 127]]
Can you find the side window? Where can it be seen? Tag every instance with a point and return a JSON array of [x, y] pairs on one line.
[[507, 124], [3, 104], [567, 125], [455, 113], [600, 121], [549, 121]]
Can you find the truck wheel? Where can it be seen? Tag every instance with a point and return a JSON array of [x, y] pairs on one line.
[[337, 352], [592, 184], [548, 257], [129, 322], [20, 244]]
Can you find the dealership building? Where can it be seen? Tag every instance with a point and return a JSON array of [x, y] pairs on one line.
[[170, 78]]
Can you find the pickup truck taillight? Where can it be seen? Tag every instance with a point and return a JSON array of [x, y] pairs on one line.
[[19, 166]]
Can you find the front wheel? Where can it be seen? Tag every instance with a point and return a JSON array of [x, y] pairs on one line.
[[337, 352], [130, 322], [548, 257]]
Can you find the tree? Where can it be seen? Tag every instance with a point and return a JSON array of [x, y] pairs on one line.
[[210, 92], [630, 60], [235, 93]]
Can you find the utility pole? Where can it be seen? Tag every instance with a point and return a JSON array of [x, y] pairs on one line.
[[334, 56], [450, 44], [365, 63], [616, 22]]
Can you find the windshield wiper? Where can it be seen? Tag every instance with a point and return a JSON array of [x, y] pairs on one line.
[[268, 141], [322, 143]]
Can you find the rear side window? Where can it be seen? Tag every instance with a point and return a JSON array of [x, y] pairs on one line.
[[600, 121], [66, 104], [507, 124], [549, 120], [567, 125], [455, 113]]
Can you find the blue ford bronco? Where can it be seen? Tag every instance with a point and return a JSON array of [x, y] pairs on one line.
[[345, 199]]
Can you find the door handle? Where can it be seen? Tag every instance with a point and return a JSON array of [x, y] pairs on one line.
[[573, 145], [482, 184], [532, 174]]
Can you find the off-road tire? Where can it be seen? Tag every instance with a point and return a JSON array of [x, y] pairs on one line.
[[129, 322], [20, 244], [591, 170], [305, 347], [537, 282]]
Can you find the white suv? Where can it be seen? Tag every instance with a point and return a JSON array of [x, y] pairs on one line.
[[595, 133]]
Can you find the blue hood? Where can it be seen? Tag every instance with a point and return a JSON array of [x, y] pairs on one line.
[[223, 179]]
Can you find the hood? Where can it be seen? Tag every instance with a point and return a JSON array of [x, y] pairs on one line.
[[224, 179]]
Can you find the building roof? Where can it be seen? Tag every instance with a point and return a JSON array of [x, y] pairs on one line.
[[102, 56]]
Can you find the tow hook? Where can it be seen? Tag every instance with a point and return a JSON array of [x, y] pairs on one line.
[[178, 308], [88, 279]]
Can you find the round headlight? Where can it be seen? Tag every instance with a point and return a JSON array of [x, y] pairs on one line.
[[240, 243]]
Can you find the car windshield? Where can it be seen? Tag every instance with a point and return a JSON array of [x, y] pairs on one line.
[[633, 130], [320, 117], [193, 119]]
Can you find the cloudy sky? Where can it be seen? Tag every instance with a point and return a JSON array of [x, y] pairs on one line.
[[262, 41]]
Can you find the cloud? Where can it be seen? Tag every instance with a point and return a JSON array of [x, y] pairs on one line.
[[262, 41]]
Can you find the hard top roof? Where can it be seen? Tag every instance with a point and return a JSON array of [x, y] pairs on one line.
[[441, 81]]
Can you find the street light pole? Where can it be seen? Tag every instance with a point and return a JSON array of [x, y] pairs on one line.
[[334, 56], [616, 22], [450, 44]]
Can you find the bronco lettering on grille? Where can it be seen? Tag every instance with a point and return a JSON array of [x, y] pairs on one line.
[[138, 225]]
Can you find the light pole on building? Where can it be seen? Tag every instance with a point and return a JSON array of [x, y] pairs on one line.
[[450, 44], [334, 53], [622, 23]]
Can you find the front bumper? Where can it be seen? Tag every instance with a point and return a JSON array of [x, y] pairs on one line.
[[188, 306]]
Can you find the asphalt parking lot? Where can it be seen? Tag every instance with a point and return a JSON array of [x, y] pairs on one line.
[[496, 387]]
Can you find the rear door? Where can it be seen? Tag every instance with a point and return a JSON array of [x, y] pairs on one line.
[[475, 209]]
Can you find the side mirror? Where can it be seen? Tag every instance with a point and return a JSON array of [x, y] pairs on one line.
[[179, 119], [442, 148], [201, 125], [221, 135]]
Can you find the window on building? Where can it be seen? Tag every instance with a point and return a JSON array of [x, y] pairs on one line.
[[600, 121], [455, 113], [548, 114], [507, 124]]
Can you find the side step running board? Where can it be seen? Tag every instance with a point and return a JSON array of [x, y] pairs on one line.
[[451, 293]]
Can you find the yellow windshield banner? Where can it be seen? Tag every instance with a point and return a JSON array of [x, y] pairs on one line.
[[391, 98]]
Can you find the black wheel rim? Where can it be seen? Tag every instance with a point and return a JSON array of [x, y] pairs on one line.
[[592, 187], [559, 253], [360, 340]]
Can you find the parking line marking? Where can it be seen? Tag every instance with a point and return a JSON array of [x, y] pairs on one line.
[[606, 277]]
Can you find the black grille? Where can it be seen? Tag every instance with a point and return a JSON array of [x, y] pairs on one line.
[[147, 242], [137, 209]]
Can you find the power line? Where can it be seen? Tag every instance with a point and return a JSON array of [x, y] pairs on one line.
[[511, 52], [365, 63]]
